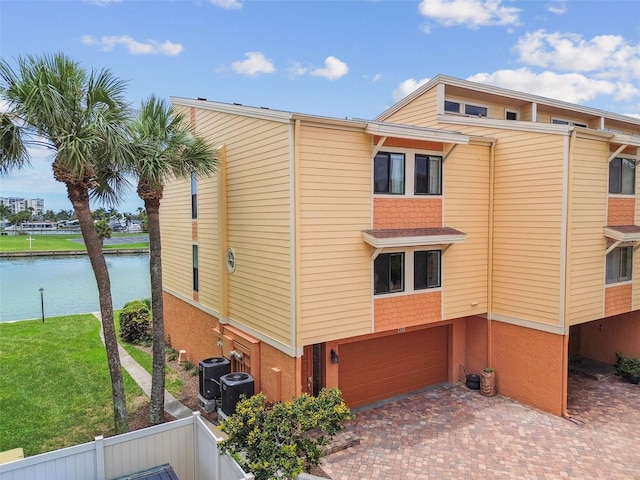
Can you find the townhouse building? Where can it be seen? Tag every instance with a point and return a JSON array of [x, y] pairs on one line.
[[467, 225]]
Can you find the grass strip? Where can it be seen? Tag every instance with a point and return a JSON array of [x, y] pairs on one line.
[[63, 242], [55, 388]]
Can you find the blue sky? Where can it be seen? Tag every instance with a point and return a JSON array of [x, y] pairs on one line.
[[329, 57]]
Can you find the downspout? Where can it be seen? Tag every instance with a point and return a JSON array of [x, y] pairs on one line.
[[565, 302], [295, 254], [492, 165]]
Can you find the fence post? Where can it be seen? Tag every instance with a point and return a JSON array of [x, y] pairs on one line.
[[100, 468], [195, 415]]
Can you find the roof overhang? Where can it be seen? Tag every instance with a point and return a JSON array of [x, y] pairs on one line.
[[412, 237], [623, 233], [415, 133]]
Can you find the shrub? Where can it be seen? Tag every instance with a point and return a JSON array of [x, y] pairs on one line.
[[629, 366], [135, 323], [280, 440]]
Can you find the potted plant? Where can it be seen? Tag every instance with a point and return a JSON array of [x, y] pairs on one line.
[[629, 367], [488, 382]]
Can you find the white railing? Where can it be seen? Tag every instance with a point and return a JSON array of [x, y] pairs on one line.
[[189, 445]]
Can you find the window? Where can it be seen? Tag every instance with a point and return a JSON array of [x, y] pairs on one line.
[[560, 121], [511, 115], [475, 111], [194, 254], [194, 195], [426, 269], [453, 107], [389, 273], [622, 176], [231, 260], [428, 175], [389, 173], [467, 109], [619, 262]]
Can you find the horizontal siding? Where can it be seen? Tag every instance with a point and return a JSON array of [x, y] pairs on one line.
[[421, 111], [466, 208], [586, 243], [175, 230], [209, 243], [334, 202]]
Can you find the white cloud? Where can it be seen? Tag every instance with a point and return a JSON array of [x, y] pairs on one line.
[[334, 69], [558, 8], [134, 47], [569, 87], [471, 13], [103, 3], [406, 87], [297, 70], [227, 4], [255, 63], [610, 56]]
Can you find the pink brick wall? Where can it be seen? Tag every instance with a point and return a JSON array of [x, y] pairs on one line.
[[407, 212], [617, 300], [621, 211], [407, 310]]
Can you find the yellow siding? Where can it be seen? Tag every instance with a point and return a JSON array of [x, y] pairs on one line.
[[421, 111], [334, 202], [466, 208], [258, 223], [175, 228], [495, 110], [586, 243], [527, 226]]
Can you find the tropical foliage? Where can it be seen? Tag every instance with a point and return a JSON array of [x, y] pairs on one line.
[[283, 439], [165, 148], [81, 117]]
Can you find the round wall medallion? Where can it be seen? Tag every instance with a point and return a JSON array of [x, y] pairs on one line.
[[231, 260]]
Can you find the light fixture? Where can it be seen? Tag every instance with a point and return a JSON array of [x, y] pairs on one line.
[[334, 357]]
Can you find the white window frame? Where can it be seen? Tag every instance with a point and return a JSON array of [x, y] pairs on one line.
[[516, 112], [564, 121], [410, 173], [408, 280], [462, 110], [635, 180], [614, 256]]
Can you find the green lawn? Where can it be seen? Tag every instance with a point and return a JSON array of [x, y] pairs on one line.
[[55, 389], [20, 243]]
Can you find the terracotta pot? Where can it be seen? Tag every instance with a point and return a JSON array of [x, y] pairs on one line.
[[488, 383]]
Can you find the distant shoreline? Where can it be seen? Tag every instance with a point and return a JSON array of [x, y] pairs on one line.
[[59, 253]]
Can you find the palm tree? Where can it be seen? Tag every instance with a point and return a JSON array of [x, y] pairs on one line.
[[81, 117], [166, 148]]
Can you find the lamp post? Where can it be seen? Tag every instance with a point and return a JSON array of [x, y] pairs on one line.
[[42, 302]]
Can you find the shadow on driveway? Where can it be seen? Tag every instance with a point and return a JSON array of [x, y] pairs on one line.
[[449, 431]]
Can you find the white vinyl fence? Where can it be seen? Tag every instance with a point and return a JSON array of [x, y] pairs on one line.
[[189, 445]]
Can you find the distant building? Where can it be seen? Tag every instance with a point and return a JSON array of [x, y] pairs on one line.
[[18, 204]]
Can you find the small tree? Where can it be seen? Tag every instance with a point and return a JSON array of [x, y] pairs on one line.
[[103, 229], [283, 439]]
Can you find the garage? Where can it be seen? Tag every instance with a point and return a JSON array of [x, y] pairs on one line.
[[383, 367]]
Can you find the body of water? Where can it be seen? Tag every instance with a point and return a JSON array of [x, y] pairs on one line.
[[69, 285]]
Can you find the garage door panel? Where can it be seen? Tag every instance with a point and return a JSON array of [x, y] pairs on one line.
[[382, 367]]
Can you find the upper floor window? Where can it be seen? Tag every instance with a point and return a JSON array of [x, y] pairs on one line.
[[619, 264], [622, 176], [389, 173], [194, 195], [196, 276], [426, 269], [466, 108], [560, 121], [388, 269], [428, 175], [510, 115]]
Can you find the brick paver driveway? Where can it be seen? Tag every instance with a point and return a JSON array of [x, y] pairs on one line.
[[452, 432]]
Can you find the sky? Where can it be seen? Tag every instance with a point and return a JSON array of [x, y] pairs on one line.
[[332, 58]]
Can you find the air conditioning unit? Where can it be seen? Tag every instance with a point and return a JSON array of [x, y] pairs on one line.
[[209, 372], [234, 386]]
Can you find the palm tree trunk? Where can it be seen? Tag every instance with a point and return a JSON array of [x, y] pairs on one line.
[[79, 196], [156, 411]]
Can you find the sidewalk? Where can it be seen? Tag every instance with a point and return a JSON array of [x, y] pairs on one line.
[[143, 378]]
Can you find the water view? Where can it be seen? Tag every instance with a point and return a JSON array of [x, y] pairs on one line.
[[68, 283]]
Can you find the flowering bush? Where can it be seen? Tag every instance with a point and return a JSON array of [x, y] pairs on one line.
[[281, 439]]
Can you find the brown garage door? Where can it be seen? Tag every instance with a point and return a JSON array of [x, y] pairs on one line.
[[383, 367]]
